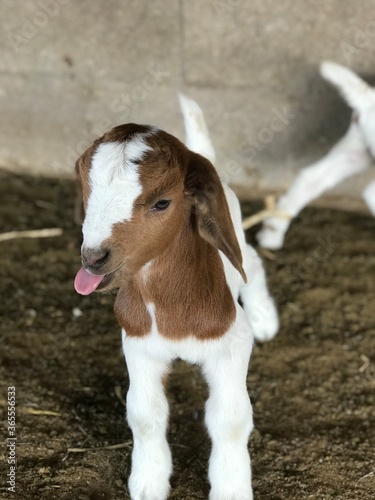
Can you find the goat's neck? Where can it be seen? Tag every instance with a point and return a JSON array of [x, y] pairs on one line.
[[189, 265], [187, 289]]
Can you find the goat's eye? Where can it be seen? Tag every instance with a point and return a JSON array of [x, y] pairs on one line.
[[161, 205]]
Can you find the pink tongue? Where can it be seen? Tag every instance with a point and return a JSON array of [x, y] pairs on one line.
[[85, 283]]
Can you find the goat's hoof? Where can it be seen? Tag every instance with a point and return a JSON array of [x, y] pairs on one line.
[[267, 326], [242, 495], [149, 491], [271, 239]]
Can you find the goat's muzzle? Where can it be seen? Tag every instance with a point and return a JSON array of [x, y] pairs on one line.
[[94, 259], [91, 277]]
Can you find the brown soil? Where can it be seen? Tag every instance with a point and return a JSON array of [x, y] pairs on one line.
[[312, 388]]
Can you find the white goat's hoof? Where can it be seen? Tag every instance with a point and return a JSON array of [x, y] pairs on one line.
[[273, 240], [265, 321], [234, 495], [267, 330], [147, 489], [272, 234]]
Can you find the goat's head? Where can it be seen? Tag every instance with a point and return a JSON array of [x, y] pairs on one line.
[[141, 187]]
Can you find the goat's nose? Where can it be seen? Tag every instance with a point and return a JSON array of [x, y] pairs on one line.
[[94, 258]]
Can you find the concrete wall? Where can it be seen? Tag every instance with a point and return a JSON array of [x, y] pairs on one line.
[[70, 69]]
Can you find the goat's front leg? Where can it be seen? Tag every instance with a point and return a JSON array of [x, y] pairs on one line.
[[147, 414], [229, 421]]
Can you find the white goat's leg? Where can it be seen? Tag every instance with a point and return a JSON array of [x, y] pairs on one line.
[[348, 157], [369, 196], [356, 92], [258, 304], [147, 413], [229, 420]]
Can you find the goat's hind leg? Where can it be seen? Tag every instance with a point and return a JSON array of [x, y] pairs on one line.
[[147, 413], [257, 302], [348, 157]]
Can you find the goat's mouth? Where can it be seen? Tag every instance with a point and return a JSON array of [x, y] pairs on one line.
[[86, 283]]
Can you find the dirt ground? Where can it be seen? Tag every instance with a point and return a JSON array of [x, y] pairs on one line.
[[312, 387]]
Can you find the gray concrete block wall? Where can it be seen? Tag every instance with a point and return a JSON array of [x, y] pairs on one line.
[[69, 70]]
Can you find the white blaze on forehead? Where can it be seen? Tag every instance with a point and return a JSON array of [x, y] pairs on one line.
[[114, 183]]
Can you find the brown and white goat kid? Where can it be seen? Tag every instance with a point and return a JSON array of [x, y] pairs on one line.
[[161, 228]]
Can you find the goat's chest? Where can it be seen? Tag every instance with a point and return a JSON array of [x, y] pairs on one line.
[[176, 316], [191, 349]]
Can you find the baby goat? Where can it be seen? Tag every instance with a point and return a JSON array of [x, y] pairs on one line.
[[161, 228], [353, 154]]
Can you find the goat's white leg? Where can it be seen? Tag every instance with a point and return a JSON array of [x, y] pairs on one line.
[[356, 92], [347, 158], [229, 420], [147, 413], [258, 304], [369, 196]]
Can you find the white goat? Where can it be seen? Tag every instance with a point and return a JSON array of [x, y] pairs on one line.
[[353, 154], [160, 226]]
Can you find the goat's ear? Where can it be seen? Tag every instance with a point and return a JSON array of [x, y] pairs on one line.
[[203, 185]]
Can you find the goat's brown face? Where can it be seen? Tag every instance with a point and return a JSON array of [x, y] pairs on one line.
[[138, 195]]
